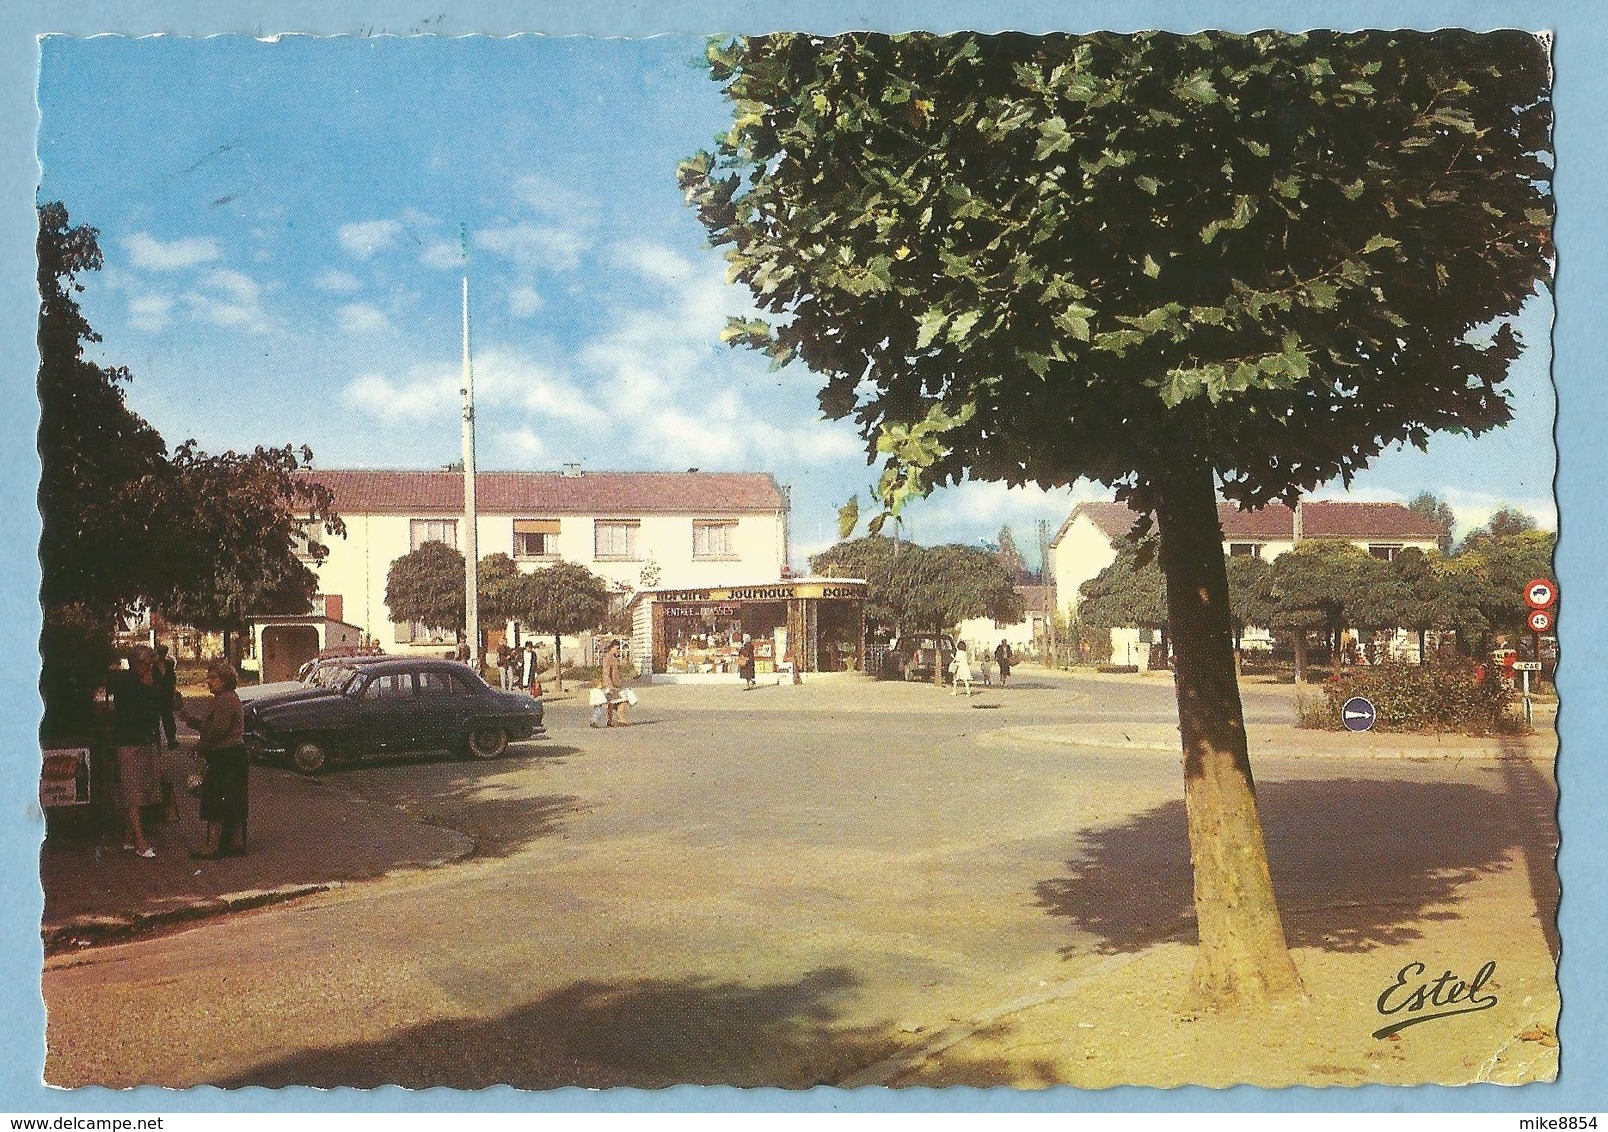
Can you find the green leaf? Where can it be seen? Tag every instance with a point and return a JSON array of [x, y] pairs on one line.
[[1152, 268], [930, 324], [1147, 184], [1376, 242], [1197, 88], [962, 325], [1323, 295], [1053, 138]]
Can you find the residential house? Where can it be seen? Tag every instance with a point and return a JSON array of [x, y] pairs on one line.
[[636, 529], [1087, 543]]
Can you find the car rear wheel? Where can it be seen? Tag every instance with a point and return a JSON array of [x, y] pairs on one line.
[[308, 757], [487, 741]]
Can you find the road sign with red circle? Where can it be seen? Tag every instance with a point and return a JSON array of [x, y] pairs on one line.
[[1540, 621], [1540, 593]]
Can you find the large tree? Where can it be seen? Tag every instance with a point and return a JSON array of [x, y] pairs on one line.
[[105, 486], [1172, 264], [237, 530]]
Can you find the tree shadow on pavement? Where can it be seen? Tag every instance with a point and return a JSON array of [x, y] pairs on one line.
[[1535, 797], [1356, 864], [492, 802], [648, 1033]]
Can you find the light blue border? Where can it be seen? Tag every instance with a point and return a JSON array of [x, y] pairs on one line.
[[1581, 346]]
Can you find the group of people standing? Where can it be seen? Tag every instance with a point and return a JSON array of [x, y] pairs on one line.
[[519, 667], [144, 701], [960, 667]]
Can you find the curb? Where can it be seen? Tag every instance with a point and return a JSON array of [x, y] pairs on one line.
[[90, 931], [1298, 749]]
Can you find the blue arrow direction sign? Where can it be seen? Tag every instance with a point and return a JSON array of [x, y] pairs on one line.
[[1357, 714]]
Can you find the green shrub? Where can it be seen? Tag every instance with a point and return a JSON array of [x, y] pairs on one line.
[[1116, 669], [1409, 697]]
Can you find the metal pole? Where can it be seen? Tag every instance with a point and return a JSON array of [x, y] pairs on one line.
[[471, 542]]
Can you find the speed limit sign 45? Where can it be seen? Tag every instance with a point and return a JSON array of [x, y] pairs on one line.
[[1540, 621], [1540, 593]]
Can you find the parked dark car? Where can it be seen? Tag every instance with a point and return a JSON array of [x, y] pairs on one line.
[[913, 656], [325, 672], [391, 707]]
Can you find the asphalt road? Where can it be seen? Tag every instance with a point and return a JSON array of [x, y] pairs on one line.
[[778, 887]]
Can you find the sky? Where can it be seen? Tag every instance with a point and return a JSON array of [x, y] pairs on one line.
[[283, 226]]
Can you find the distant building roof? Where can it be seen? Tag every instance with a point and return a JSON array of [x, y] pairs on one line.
[[552, 493], [1320, 518]]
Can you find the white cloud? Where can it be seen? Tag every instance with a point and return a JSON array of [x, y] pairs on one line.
[[421, 394], [366, 237], [534, 246], [444, 255], [340, 282], [362, 318], [230, 299], [975, 508], [146, 251], [523, 301], [556, 200], [149, 312]]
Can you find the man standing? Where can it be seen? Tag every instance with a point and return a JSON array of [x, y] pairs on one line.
[[136, 727], [166, 676], [1003, 658], [613, 682]]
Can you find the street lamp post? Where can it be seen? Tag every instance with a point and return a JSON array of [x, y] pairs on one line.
[[471, 542]]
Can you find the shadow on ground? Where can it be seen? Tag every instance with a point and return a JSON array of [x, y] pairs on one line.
[[646, 1033], [491, 802], [1356, 864]]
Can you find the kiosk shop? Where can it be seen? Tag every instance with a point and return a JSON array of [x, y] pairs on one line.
[[798, 625]]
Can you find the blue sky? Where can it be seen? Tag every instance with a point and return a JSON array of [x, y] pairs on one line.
[[280, 222]]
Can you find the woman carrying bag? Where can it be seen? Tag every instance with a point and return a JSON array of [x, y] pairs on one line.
[[222, 748]]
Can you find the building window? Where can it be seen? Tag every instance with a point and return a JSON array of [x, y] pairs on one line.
[[711, 539], [535, 538], [616, 540], [1245, 550], [433, 530], [1385, 550], [304, 541]]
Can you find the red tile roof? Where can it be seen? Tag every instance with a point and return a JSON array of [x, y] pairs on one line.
[[1319, 519], [552, 493]]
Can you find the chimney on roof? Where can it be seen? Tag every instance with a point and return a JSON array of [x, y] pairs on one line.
[[691, 470], [572, 470]]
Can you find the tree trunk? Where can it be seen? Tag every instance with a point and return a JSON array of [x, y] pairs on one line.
[[1423, 657], [1243, 956], [558, 660], [1300, 656]]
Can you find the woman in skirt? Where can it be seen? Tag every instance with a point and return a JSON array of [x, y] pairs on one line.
[[228, 767]]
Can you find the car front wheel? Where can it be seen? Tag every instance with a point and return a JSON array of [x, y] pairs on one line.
[[487, 742], [308, 757]]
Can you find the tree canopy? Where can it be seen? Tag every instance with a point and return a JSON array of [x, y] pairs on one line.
[[427, 585], [1037, 258], [1129, 593], [911, 587], [1437, 511]]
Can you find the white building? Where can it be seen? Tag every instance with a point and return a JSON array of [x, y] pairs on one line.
[[637, 529], [1087, 543]]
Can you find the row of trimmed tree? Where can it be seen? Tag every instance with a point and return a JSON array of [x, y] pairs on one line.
[[427, 585], [911, 588], [127, 525], [1330, 585]]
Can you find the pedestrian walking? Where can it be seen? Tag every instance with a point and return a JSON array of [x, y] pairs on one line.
[[505, 667], [745, 662], [226, 777], [167, 681], [985, 666], [613, 680], [136, 727], [961, 668], [1003, 658], [528, 676]]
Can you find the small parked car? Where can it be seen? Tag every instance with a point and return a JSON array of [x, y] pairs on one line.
[[914, 655], [389, 707]]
